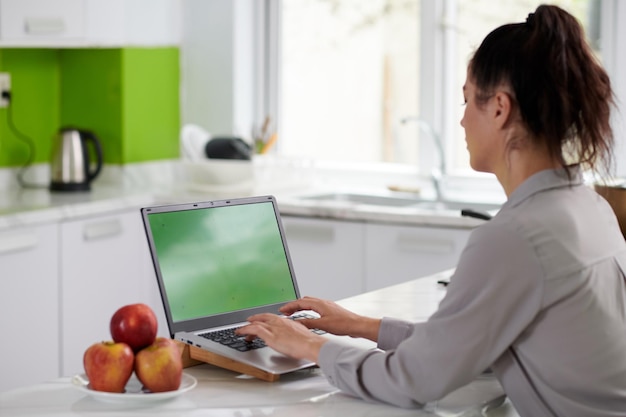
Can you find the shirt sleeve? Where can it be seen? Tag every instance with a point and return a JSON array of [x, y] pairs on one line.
[[392, 332], [492, 297]]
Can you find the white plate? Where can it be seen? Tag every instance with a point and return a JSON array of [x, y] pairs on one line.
[[134, 390]]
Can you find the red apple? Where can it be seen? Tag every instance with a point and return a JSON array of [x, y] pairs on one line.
[[134, 324], [108, 366], [159, 366]]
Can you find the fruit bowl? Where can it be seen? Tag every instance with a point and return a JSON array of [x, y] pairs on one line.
[[135, 392]]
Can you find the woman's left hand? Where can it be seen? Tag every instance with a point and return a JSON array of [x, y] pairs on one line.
[[284, 335]]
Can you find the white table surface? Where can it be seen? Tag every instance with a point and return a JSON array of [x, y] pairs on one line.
[[304, 393]]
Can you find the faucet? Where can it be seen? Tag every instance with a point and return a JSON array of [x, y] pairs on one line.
[[438, 172]]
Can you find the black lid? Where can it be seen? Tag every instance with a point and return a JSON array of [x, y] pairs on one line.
[[228, 148]]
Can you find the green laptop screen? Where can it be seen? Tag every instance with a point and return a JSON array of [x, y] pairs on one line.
[[220, 259]]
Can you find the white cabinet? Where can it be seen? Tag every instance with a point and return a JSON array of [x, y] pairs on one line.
[[133, 23], [399, 253], [37, 19], [29, 305], [104, 265], [327, 256], [82, 23], [335, 259]]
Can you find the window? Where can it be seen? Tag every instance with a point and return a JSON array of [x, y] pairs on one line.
[[349, 69], [349, 72]]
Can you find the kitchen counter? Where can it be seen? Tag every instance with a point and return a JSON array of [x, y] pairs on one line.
[[296, 205], [304, 393], [23, 207]]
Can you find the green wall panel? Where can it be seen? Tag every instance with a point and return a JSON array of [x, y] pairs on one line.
[[129, 97], [151, 115], [34, 106], [91, 96]]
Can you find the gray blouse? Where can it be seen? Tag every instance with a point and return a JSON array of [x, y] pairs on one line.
[[539, 295]]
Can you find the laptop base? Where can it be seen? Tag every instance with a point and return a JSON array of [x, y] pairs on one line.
[[193, 356]]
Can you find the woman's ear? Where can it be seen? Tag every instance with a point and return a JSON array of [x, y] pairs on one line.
[[502, 108]]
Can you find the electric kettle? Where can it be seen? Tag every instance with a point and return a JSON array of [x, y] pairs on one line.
[[72, 167]]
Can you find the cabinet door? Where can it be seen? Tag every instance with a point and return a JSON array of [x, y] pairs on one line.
[[36, 20], [396, 254], [84, 23], [103, 267], [29, 305], [136, 22], [327, 256]]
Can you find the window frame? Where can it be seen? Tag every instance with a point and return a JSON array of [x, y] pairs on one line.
[[438, 63]]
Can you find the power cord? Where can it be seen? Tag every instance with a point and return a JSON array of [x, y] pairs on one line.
[[26, 139]]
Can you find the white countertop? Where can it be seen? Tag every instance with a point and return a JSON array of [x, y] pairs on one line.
[[295, 205], [23, 207], [304, 393]]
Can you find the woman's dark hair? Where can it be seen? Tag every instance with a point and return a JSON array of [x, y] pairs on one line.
[[563, 93]]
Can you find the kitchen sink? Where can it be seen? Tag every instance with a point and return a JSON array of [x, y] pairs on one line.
[[400, 201]]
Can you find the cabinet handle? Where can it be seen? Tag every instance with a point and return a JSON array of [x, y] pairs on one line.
[[17, 243], [103, 229], [316, 233], [44, 26], [419, 244]]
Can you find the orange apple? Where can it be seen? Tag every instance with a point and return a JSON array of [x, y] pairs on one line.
[[134, 324], [108, 366], [159, 366]]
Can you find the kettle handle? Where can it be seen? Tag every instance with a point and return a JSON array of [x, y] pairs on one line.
[[87, 136]]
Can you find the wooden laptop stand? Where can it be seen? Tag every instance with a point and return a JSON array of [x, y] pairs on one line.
[[193, 356]]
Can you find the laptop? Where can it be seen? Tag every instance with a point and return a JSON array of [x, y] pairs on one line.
[[217, 263]]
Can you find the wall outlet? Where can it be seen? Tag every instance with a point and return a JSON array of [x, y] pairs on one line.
[[5, 86]]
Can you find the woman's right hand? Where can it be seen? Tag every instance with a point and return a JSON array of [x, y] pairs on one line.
[[334, 318]]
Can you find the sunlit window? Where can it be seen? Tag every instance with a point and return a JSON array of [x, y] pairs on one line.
[[349, 72]]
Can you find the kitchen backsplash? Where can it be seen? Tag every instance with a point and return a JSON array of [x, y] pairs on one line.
[[129, 97]]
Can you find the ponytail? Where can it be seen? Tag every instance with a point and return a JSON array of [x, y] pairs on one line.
[[564, 95]]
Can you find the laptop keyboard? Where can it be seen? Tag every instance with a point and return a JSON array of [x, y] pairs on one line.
[[227, 337]]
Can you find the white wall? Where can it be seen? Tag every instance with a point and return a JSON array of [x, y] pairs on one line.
[[218, 65]]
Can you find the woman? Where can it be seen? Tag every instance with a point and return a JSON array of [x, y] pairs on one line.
[[539, 293]]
